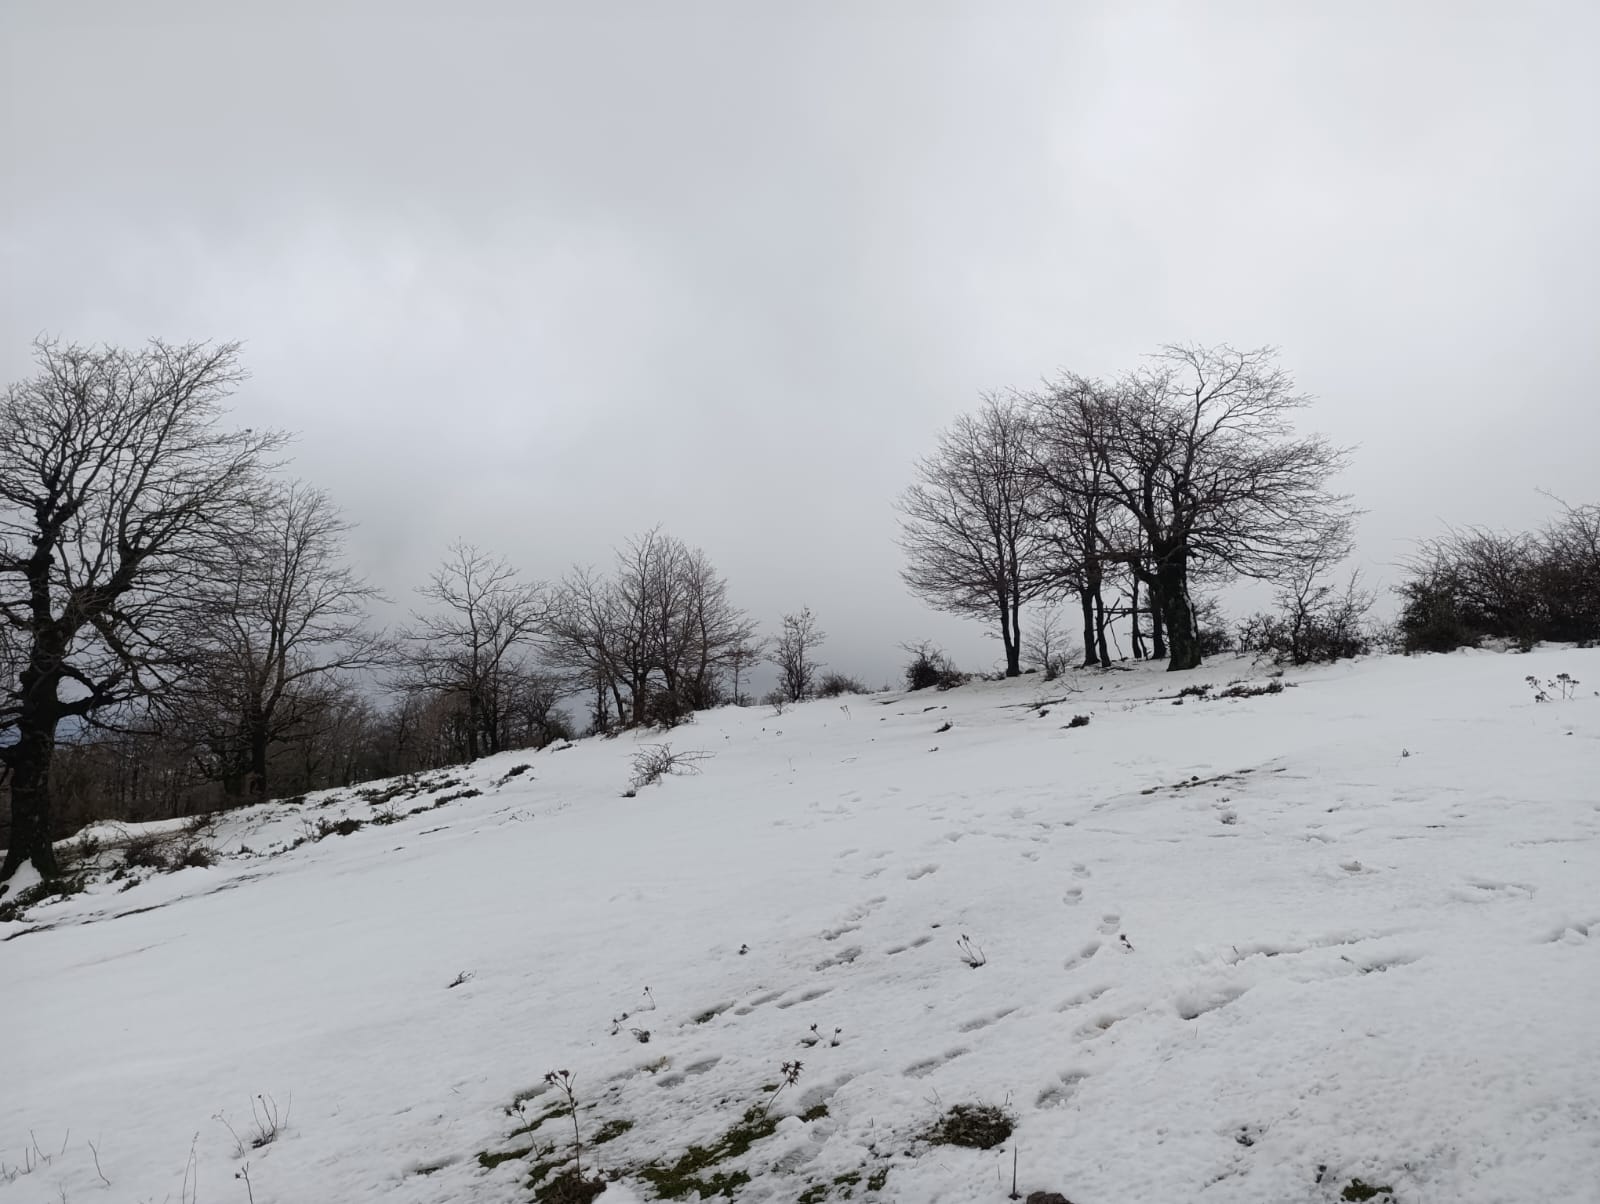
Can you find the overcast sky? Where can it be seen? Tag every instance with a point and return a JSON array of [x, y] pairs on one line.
[[542, 275]]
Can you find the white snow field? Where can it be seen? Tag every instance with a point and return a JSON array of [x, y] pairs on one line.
[[1304, 946]]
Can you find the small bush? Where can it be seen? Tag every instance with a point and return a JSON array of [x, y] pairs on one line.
[[652, 762], [930, 668], [195, 854], [975, 1126], [1077, 721], [147, 851], [833, 685], [54, 888], [1243, 689]]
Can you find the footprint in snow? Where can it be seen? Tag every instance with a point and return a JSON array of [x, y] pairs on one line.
[[1109, 922], [767, 997], [1058, 1094], [922, 1069], [1073, 896], [922, 871], [1083, 955], [814, 993], [973, 1025], [1080, 870]]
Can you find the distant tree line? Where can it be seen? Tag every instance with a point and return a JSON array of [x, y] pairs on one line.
[[180, 628], [1123, 497]]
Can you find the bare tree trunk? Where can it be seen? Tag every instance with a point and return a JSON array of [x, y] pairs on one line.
[[1011, 635], [1172, 589], [1158, 635], [30, 758], [1137, 638], [1086, 601], [256, 782]]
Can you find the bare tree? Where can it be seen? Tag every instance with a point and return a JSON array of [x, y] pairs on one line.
[[289, 620], [1045, 645], [744, 655], [467, 646], [120, 497], [1198, 450], [657, 637], [794, 653], [971, 526], [1315, 621], [1079, 526]]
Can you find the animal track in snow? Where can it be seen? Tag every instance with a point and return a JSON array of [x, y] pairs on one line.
[[842, 958], [1101, 1025], [922, 871], [688, 1072], [916, 944], [1073, 896], [833, 934], [807, 997], [1575, 933], [1083, 955], [1082, 997], [1487, 890], [977, 1022], [922, 1069], [1191, 1005], [1059, 1093], [1079, 870], [765, 997]]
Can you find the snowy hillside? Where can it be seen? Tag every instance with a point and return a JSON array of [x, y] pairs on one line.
[[1312, 945]]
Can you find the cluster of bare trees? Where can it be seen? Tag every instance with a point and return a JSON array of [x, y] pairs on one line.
[[180, 629], [1186, 470], [1475, 583], [657, 639]]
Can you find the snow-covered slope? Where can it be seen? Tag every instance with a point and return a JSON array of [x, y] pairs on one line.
[[1236, 950]]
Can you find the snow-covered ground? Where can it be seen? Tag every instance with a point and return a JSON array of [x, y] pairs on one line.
[[1236, 950]]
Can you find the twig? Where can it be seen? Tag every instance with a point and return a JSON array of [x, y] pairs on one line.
[[97, 1169]]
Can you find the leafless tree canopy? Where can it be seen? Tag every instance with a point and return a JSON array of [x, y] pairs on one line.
[[971, 524], [278, 633], [121, 498], [1186, 467], [470, 643], [794, 652], [654, 641]]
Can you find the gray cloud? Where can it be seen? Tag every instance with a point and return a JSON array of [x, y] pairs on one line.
[[544, 277]]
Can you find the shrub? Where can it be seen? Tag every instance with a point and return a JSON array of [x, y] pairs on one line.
[[930, 668], [1475, 583], [1211, 627], [1315, 623], [833, 685], [147, 851], [652, 762]]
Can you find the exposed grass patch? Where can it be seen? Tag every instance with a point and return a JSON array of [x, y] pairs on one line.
[[975, 1126], [688, 1173], [611, 1130], [1358, 1190], [489, 1160]]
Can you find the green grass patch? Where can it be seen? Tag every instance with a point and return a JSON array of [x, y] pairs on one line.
[[689, 1172], [975, 1126], [610, 1131], [1357, 1190]]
